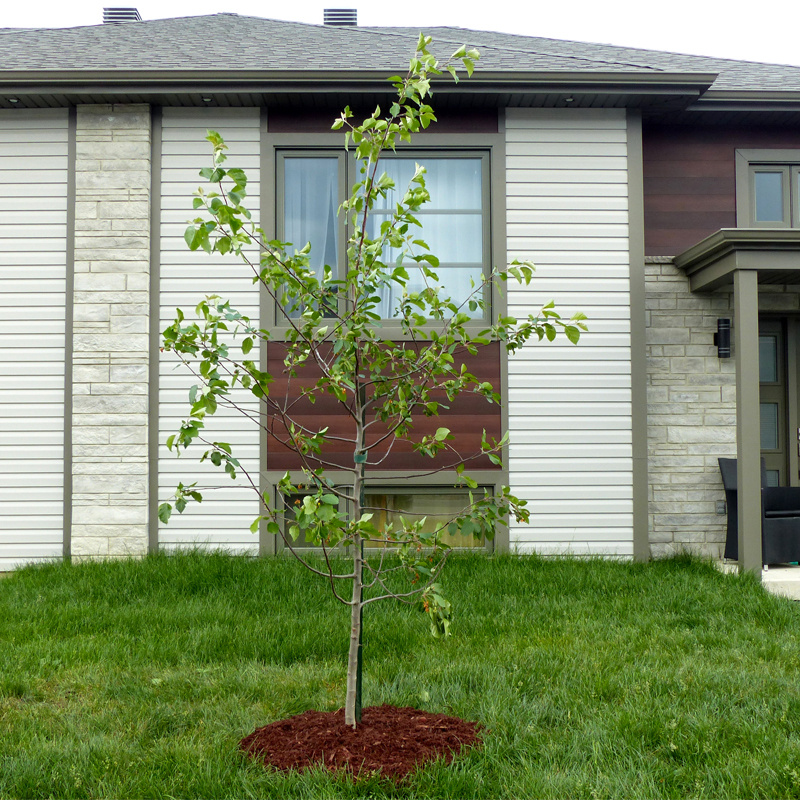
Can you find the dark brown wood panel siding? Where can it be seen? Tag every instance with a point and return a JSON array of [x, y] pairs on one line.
[[690, 181], [467, 417], [448, 121]]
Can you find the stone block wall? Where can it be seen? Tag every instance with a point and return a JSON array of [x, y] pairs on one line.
[[691, 399], [110, 331]]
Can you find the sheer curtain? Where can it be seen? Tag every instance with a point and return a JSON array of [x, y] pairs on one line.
[[310, 201], [452, 225]]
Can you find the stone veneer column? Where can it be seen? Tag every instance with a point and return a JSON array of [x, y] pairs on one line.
[[691, 418], [110, 339]]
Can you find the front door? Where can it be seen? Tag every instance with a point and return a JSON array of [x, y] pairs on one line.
[[780, 397]]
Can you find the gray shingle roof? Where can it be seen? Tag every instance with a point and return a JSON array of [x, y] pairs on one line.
[[229, 42]]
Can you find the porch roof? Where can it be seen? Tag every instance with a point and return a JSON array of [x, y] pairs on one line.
[[774, 253]]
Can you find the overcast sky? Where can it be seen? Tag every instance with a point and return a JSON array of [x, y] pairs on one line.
[[729, 29]]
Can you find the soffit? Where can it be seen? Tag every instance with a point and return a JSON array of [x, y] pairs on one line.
[[309, 90]]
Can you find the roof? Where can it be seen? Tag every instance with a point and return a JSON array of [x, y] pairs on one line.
[[232, 45], [232, 42]]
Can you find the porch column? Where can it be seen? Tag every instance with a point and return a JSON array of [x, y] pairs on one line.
[[748, 439]]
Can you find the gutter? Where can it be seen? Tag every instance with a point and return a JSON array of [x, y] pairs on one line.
[[93, 81], [751, 100]]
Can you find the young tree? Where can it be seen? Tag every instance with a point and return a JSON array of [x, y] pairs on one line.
[[334, 329]]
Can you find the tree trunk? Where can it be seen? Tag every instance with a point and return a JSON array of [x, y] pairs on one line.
[[355, 639]]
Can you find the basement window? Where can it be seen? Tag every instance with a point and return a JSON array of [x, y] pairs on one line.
[[437, 506]]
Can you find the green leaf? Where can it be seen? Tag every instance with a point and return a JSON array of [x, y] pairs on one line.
[[164, 512], [238, 176], [442, 434], [573, 334]]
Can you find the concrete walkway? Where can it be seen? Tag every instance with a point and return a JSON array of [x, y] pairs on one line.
[[783, 580]]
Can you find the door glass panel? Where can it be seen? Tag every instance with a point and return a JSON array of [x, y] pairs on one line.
[[769, 196], [769, 426], [768, 359], [773, 477]]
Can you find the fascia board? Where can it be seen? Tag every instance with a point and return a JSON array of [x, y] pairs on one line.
[[747, 101], [741, 238], [776, 95], [245, 80]]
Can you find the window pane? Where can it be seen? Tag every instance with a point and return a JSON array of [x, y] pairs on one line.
[[310, 202], [451, 224], [769, 426], [773, 477], [768, 359], [438, 509], [452, 238], [769, 197], [459, 282], [453, 183]]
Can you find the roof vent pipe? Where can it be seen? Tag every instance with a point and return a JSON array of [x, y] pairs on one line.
[[341, 16], [121, 15]]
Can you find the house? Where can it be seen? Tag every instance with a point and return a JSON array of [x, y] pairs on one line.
[[657, 193]]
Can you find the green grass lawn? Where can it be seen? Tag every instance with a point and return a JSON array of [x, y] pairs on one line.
[[592, 679]]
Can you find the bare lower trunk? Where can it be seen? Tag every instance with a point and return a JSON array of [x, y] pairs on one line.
[[352, 703], [355, 637]]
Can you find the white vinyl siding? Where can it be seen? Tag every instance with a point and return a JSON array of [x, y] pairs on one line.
[[569, 407], [33, 260], [223, 519]]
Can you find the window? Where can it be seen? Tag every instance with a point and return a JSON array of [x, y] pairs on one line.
[[768, 188], [437, 509], [455, 223], [771, 197], [437, 506]]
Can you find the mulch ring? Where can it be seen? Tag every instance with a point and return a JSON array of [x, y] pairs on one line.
[[394, 741]]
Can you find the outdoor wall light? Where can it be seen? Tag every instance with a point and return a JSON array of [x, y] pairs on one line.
[[722, 338]]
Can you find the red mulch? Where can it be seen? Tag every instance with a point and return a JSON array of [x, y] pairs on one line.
[[391, 740]]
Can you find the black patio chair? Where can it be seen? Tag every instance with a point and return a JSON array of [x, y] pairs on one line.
[[780, 517]]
